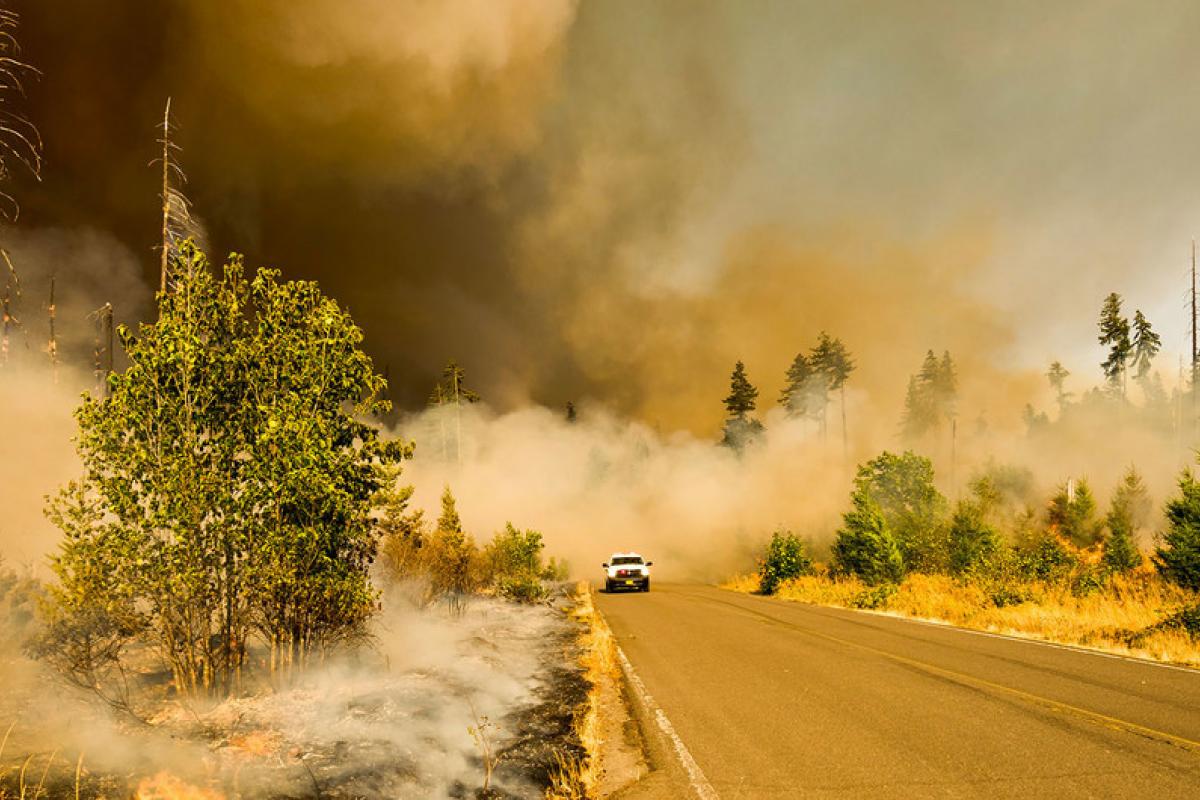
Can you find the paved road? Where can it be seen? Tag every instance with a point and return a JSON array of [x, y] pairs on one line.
[[776, 699]]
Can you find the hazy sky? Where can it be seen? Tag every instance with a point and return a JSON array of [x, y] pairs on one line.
[[614, 200]]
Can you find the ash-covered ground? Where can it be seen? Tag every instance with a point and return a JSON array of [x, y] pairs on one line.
[[394, 721]]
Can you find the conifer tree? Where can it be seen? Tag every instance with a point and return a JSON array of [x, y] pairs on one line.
[[1057, 375], [448, 520], [740, 429], [1114, 334], [1071, 514], [831, 365], [795, 395], [932, 397], [1146, 344], [1177, 558], [572, 414]]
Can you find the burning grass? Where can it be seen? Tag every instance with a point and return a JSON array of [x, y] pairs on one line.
[[1124, 615], [391, 722]]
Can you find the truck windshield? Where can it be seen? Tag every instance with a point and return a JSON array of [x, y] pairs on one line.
[[627, 560]]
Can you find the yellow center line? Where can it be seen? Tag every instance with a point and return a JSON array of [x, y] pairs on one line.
[[1095, 717]]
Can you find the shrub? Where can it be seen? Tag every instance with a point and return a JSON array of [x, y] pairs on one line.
[[1187, 620], [522, 588], [786, 558], [865, 545], [1178, 557], [1006, 594], [972, 540], [1046, 559], [875, 597], [514, 564], [1088, 580]]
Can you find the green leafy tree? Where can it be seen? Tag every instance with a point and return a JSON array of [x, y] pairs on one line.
[[1177, 558], [901, 486], [229, 483], [514, 561], [741, 430], [1057, 375], [973, 541], [865, 545], [1072, 514], [1114, 334], [786, 558]]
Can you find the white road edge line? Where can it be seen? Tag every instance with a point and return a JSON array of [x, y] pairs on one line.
[[700, 784]]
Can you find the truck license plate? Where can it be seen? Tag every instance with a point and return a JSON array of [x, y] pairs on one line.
[[629, 583]]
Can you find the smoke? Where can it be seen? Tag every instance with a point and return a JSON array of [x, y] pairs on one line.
[[37, 398]]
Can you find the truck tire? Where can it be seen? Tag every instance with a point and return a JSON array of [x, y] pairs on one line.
[[608, 587], [646, 585]]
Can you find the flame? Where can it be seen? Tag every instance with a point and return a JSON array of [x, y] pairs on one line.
[[256, 743], [165, 786]]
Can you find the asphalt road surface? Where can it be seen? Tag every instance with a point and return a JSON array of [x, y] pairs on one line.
[[749, 697]]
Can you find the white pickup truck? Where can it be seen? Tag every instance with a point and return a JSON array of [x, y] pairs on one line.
[[627, 571]]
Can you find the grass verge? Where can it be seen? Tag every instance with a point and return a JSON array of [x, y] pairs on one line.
[[578, 778], [1129, 615]]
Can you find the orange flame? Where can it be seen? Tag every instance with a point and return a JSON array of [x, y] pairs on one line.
[[165, 786]]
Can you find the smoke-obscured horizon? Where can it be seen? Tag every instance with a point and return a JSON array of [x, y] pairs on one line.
[[611, 202]]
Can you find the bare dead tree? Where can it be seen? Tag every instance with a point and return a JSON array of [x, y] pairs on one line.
[[52, 345], [8, 301], [20, 142], [103, 352], [20, 145], [178, 223]]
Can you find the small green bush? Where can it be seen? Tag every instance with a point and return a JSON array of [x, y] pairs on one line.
[[1087, 581], [1047, 559], [1187, 620], [875, 597], [786, 558], [1003, 595], [865, 545], [972, 540], [522, 589]]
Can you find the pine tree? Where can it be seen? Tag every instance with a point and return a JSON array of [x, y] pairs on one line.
[[795, 398], [1129, 511], [742, 394], [1146, 344], [1178, 557], [945, 388], [572, 415], [831, 365], [932, 397], [1071, 514], [740, 429], [1114, 334], [1057, 375], [448, 520]]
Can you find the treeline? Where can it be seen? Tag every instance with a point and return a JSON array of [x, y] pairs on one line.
[[998, 536], [809, 383]]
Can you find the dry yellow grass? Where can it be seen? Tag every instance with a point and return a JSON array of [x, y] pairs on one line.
[[577, 778], [1118, 618]]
